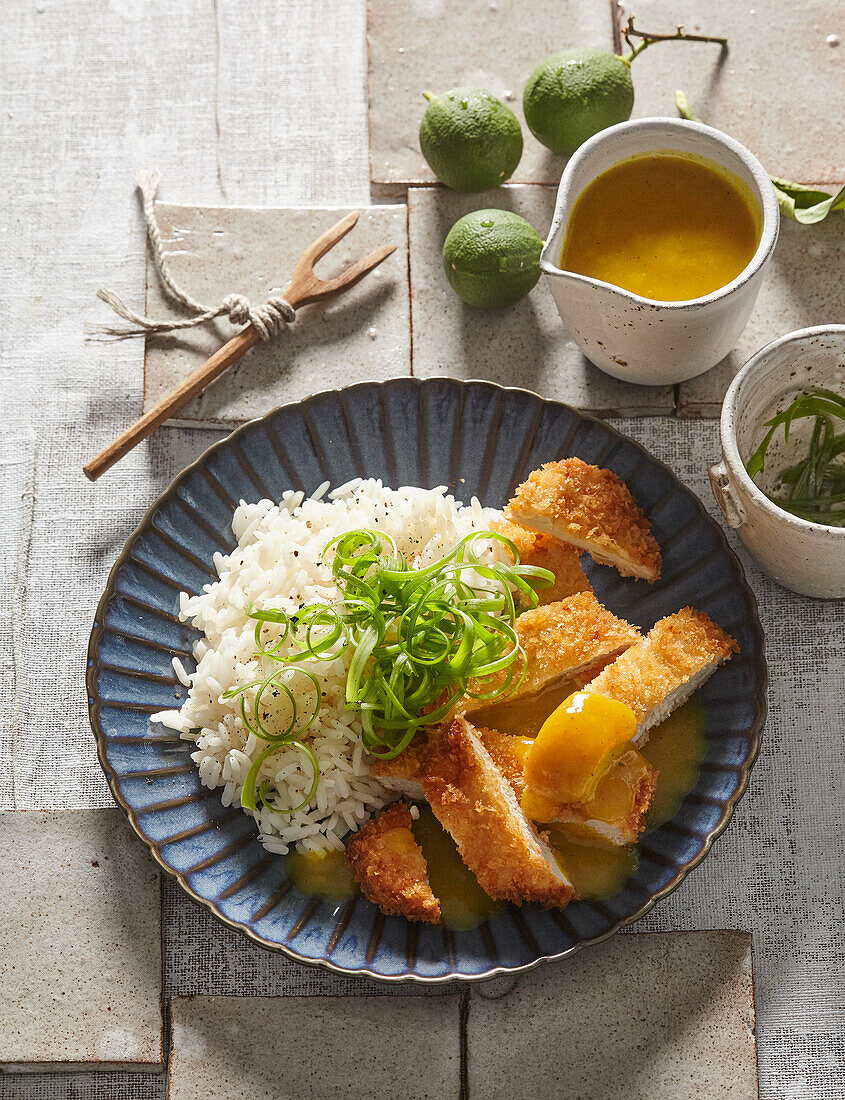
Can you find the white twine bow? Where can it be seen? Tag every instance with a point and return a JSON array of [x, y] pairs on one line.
[[268, 319]]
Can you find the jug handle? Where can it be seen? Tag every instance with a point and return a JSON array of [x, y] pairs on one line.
[[730, 507]]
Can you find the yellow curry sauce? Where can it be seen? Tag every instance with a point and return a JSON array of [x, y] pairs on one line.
[[662, 225], [597, 869], [321, 874], [463, 904]]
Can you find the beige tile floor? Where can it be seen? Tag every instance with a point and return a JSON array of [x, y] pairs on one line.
[[435, 45], [525, 345], [779, 89], [290, 1048], [216, 251], [648, 1017], [80, 970], [778, 58]]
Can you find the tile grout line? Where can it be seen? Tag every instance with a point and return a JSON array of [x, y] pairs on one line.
[[463, 1017], [410, 289], [616, 34], [166, 1014]]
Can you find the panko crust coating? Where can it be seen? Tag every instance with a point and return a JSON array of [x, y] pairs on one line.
[[561, 640], [678, 653], [591, 508], [562, 558], [389, 866], [474, 802]]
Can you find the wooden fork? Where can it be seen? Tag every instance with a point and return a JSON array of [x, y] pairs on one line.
[[305, 287]]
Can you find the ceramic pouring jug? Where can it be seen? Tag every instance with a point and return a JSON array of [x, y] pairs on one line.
[[639, 339]]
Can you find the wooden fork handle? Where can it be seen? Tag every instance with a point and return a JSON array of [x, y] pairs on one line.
[[180, 395]]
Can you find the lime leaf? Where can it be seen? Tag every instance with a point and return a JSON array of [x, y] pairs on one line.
[[684, 109], [803, 204], [806, 204]]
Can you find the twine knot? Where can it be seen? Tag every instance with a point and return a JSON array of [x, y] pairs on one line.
[[268, 319]]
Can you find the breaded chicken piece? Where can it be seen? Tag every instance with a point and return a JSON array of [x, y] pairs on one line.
[[508, 754], [548, 553], [474, 802], [389, 866], [617, 813], [401, 773], [592, 509], [659, 673], [560, 641]]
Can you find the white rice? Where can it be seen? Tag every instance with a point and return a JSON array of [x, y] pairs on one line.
[[278, 563]]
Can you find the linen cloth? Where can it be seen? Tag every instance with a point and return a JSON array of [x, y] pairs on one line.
[[249, 103]]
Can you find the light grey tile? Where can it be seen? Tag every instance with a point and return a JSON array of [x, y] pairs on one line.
[[645, 1017], [803, 287], [17, 482], [435, 45], [778, 89], [216, 251], [80, 971], [524, 345], [275, 1048]]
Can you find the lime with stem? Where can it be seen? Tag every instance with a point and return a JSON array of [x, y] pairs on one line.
[[471, 140], [574, 94]]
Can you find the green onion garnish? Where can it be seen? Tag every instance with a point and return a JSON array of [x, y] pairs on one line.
[[817, 483], [418, 637]]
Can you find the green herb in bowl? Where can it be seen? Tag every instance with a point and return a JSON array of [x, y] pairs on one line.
[[813, 488]]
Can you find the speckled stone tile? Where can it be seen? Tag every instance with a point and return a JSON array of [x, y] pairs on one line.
[[215, 251], [779, 88], [525, 345], [435, 45], [80, 970], [803, 287], [661, 1016], [288, 1048]]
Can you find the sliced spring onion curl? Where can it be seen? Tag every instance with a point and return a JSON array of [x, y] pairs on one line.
[[817, 483], [417, 636]]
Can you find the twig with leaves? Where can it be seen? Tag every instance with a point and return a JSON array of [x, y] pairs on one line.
[[629, 31]]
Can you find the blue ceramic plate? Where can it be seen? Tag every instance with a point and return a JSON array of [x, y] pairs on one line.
[[477, 438]]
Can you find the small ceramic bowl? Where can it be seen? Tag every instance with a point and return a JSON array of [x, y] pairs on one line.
[[639, 339], [808, 558]]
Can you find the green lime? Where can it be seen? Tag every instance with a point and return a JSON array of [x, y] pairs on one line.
[[572, 95], [492, 258], [471, 140]]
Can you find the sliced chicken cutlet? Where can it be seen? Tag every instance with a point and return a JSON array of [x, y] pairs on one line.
[[617, 813], [548, 553], [508, 754], [592, 509], [474, 802], [561, 640], [389, 866], [401, 773], [659, 673]]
